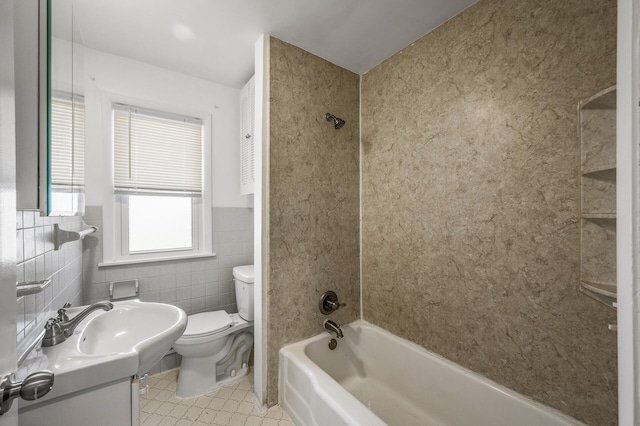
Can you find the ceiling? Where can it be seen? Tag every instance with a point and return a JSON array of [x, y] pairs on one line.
[[214, 39]]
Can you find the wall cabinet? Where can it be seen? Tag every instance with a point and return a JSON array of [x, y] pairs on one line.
[[598, 197], [247, 137]]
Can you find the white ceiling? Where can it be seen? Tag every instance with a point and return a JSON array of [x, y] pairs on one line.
[[214, 39]]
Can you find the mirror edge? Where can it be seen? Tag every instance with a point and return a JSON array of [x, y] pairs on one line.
[[44, 87]]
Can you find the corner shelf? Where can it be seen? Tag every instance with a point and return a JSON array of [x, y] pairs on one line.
[[597, 197], [607, 172]]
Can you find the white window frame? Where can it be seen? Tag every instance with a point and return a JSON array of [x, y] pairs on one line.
[[114, 207], [122, 223]]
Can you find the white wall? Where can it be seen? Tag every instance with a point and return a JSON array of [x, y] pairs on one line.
[[628, 204], [125, 80]]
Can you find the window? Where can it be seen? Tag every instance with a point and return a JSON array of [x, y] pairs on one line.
[[158, 185], [66, 171]]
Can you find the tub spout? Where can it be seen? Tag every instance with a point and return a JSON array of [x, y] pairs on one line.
[[333, 327]]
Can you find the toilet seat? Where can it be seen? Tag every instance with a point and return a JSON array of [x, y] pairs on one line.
[[206, 324]]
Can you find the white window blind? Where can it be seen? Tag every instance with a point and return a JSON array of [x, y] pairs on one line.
[[156, 152], [67, 141]]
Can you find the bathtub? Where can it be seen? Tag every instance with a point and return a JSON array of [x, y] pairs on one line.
[[376, 378]]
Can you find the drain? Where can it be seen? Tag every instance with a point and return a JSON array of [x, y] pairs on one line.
[[333, 343]]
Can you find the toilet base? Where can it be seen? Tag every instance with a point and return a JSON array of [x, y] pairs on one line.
[[200, 375]]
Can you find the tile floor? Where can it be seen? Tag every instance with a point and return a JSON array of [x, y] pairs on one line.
[[233, 405]]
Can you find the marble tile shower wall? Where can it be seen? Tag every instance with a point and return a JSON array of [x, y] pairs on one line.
[[37, 260], [195, 285]]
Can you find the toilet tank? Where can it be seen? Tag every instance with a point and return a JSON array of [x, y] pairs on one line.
[[243, 278]]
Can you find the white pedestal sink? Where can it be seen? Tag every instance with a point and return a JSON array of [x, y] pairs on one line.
[[106, 350], [149, 329]]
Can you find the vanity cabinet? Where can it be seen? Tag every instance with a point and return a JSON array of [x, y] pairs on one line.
[[598, 197], [105, 405]]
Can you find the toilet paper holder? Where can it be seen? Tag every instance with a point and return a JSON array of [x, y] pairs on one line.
[[124, 290]]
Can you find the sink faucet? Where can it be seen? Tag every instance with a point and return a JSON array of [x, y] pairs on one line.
[[57, 330], [333, 327]]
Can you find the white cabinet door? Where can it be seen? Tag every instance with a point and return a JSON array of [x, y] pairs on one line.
[[247, 138]]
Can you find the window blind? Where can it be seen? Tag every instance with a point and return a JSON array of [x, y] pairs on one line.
[[156, 152], [67, 141]]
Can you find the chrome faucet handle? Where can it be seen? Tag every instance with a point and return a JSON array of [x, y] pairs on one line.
[[62, 312], [53, 333], [329, 303]]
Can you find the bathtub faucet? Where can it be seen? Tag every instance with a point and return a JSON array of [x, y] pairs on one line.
[[333, 327]]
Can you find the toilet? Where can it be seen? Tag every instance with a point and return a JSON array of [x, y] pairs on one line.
[[216, 346]]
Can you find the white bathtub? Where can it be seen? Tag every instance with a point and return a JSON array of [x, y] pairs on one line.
[[375, 378]]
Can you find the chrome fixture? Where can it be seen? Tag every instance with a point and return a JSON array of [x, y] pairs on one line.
[[61, 236], [333, 343], [337, 122], [57, 331], [333, 327], [31, 287], [329, 302], [35, 386], [62, 312]]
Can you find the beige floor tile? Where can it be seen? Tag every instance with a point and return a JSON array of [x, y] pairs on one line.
[[207, 416], [253, 421], [217, 403], [163, 395], [222, 418], [245, 385], [258, 411], [231, 405], [238, 395], [203, 401], [193, 413], [151, 406], [168, 421], [178, 411], [245, 408], [165, 408], [224, 393], [153, 420], [275, 412]]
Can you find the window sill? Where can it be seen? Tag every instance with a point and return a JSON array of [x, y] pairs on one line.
[[153, 260]]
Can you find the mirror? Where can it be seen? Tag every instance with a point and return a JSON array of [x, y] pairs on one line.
[[62, 144]]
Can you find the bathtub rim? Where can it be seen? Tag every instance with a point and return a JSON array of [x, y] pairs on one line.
[[296, 351]]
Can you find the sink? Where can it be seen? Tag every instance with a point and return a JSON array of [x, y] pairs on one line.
[[96, 363], [148, 329]]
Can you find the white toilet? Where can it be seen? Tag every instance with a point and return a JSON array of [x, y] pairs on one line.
[[216, 346]]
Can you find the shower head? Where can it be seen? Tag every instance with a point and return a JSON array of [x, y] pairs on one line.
[[337, 122]]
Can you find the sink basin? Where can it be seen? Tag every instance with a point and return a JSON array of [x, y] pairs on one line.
[[148, 329], [107, 348]]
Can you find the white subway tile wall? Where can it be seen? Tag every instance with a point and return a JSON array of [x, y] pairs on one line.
[[195, 285], [37, 260]]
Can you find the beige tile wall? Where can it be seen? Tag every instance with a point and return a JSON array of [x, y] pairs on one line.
[[470, 198], [314, 197]]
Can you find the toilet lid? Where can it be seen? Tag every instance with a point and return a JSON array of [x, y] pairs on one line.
[[207, 323]]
